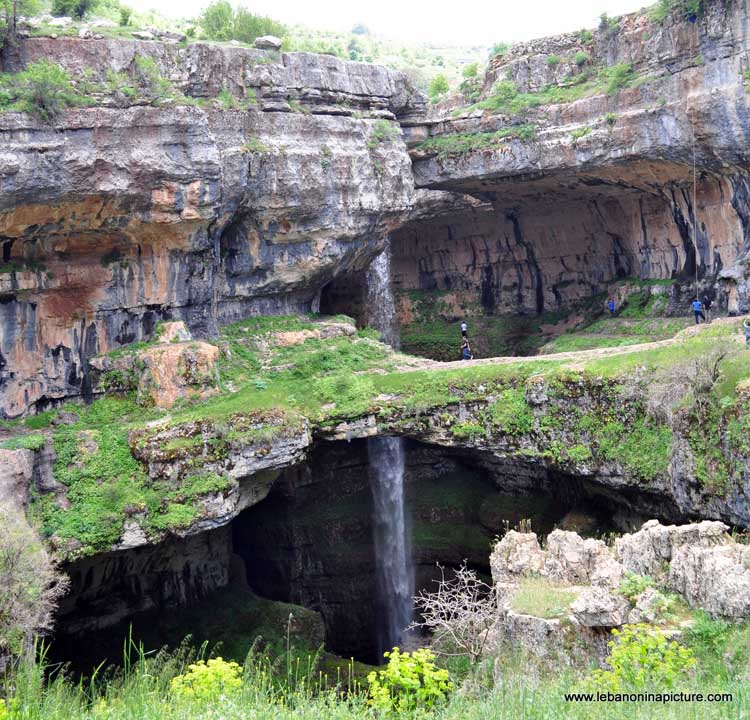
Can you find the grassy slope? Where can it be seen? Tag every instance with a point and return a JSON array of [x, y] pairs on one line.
[[327, 381]]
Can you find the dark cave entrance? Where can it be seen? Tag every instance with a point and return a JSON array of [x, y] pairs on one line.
[[310, 543]]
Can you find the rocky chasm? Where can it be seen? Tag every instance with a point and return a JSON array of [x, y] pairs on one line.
[[154, 253]]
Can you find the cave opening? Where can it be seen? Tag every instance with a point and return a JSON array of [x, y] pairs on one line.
[[310, 543], [526, 261]]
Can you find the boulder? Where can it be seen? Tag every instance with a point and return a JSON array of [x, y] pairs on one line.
[[650, 550], [174, 368], [143, 35], [598, 607], [16, 473], [517, 554], [571, 559], [716, 578], [267, 42]]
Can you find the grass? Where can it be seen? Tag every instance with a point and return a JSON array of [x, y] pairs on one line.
[[541, 598], [457, 144], [521, 690], [506, 99], [269, 389]]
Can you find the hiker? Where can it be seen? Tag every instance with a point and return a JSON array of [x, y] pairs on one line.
[[611, 307], [464, 328], [707, 306], [698, 311], [746, 325], [466, 351]]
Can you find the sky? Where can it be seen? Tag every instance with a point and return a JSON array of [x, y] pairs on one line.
[[478, 22]]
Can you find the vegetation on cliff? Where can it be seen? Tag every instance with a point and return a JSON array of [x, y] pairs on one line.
[[276, 374]]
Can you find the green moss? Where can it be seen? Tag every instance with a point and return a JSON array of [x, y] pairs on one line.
[[511, 414], [176, 516], [457, 144], [468, 430], [35, 441]]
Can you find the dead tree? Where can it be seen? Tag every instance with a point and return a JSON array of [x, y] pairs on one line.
[[460, 613]]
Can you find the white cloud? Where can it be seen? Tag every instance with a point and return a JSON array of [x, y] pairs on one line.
[[427, 21]]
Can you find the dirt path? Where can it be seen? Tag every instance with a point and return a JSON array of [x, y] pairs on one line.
[[575, 355]]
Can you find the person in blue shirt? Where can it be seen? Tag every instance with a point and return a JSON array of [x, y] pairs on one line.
[[611, 307], [698, 311]]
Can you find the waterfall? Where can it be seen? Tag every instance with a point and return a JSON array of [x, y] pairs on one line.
[[381, 308], [394, 571], [392, 553]]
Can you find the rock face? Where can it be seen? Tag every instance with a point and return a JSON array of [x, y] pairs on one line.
[[177, 367], [603, 189], [109, 588], [118, 217], [699, 561]]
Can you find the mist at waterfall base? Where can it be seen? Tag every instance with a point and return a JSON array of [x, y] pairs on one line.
[[386, 455]]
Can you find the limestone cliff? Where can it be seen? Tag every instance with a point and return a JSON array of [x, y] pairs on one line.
[[582, 146], [122, 214]]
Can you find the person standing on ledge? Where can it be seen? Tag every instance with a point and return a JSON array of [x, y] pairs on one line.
[[464, 329], [466, 351], [746, 325], [707, 307], [698, 311], [611, 307]]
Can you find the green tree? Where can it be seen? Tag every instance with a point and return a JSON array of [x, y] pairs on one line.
[[438, 87], [10, 11], [217, 20], [30, 586], [72, 8], [247, 26], [221, 22], [44, 89]]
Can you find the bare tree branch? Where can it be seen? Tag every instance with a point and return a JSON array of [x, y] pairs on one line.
[[460, 613]]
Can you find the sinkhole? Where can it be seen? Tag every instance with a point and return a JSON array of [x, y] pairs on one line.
[[313, 542]]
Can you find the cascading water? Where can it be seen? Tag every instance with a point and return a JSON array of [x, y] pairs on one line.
[[381, 309], [392, 552], [395, 576]]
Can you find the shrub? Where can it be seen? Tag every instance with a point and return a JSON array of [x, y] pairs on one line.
[[471, 70], [220, 22], [125, 13], [499, 49], [73, 8], [438, 87], [641, 657], [226, 99], [553, 60], [409, 682], [581, 58], [689, 9], [150, 78], [206, 682], [632, 585], [30, 585], [382, 132], [585, 36], [610, 118], [618, 77], [44, 89]]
